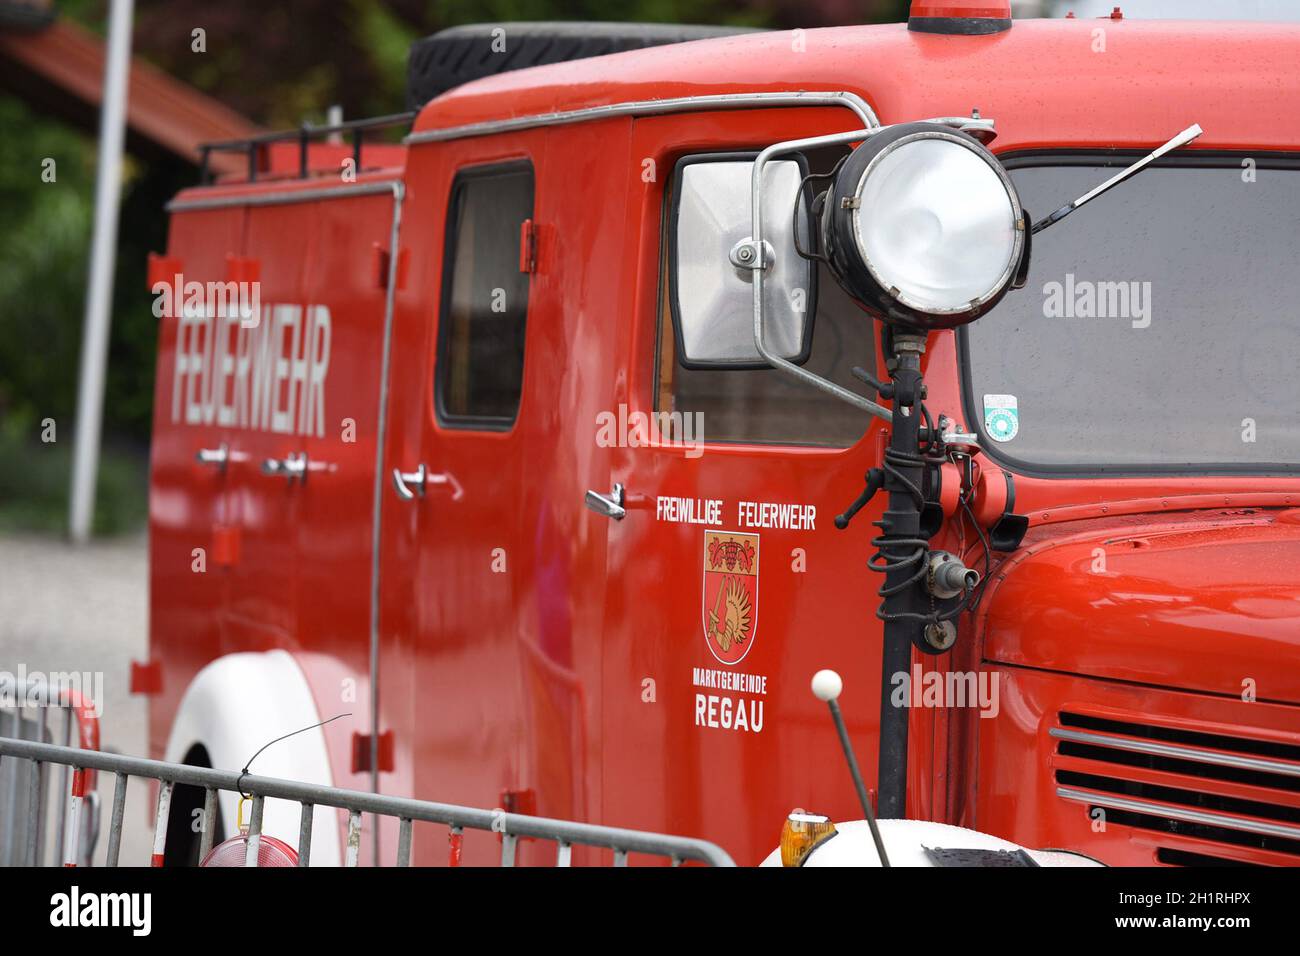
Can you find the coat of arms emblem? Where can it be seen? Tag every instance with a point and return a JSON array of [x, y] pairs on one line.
[[730, 594]]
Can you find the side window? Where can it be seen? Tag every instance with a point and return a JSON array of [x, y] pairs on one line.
[[480, 367], [765, 405]]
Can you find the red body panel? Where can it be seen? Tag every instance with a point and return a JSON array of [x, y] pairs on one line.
[[565, 682], [1201, 600]]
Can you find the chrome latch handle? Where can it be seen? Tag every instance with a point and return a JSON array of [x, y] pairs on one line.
[[218, 457], [610, 505], [290, 467], [404, 481]]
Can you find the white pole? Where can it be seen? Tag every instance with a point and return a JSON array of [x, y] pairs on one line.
[[99, 285]]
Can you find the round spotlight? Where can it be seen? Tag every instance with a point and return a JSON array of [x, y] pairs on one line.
[[924, 227]]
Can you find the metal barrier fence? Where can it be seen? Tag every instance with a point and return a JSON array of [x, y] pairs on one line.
[[510, 826], [26, 789]]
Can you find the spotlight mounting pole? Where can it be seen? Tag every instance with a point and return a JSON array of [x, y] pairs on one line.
[[903, 550]]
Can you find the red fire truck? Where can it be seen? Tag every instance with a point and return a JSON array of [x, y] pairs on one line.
[[526, 443]]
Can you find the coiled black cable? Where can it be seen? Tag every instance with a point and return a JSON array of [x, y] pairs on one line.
[[917, 549]]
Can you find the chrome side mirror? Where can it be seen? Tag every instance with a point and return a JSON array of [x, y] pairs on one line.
[[711, 288]]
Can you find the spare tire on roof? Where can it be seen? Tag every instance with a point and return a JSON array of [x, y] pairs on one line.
[[460, 54]]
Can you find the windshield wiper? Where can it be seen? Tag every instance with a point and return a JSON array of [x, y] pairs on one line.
[[1182, 139]]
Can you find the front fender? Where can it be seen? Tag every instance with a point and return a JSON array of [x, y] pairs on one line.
[[234, 707]]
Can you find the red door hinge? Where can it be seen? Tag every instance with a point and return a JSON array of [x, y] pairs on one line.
[[522, 802], [380, 262], [146, 677], [225, 545], [242, 269], [163, 269], [361, 752], [528, 246]]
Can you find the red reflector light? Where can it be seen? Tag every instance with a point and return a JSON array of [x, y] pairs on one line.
[[234, 852]]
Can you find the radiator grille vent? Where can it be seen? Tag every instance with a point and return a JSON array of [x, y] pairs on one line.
[[1222, 795]]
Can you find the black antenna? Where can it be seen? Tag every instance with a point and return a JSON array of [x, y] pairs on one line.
[[302, 730], [826, 685]]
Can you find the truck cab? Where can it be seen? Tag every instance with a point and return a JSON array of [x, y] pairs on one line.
[[482, 469]]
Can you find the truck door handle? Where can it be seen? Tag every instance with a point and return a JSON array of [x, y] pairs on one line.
[[412, 484], [290, 467], [216, 457], [403, 480], [610, 505]]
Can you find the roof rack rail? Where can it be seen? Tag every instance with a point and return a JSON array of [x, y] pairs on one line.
[[254, 145]]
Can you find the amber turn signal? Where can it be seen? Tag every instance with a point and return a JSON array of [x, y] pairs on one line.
[[803, 833]]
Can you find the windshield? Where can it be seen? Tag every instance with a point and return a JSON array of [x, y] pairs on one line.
[[1158, 329]]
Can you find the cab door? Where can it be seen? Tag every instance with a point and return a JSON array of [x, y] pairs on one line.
[[728, 584], [191, 518], [454, 535], [266, 486], [345, 294]]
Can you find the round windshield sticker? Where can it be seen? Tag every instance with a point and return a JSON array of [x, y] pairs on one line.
[[1001, 417]]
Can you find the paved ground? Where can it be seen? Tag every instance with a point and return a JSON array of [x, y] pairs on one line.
[[64, 608]]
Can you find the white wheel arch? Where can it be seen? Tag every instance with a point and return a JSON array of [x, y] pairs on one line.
[[235, 706]]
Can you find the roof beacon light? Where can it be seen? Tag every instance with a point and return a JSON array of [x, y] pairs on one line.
[[960, 17]]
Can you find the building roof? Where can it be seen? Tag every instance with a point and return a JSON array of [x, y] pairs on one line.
[[59, 68]]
